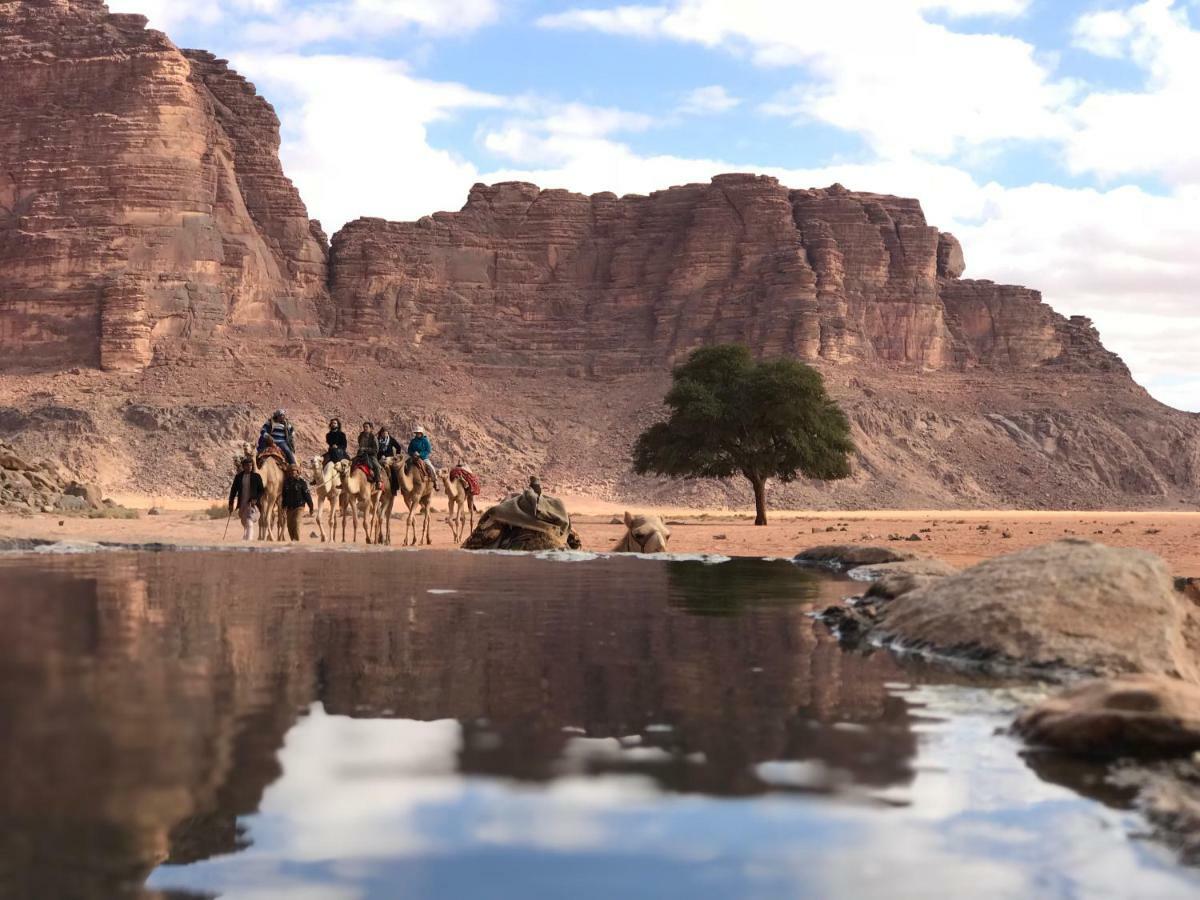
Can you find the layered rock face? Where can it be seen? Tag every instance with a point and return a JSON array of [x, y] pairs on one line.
[[143, 209], [613, 284]]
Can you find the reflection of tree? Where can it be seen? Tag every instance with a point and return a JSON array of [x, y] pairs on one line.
[[728, 588], [151, 694]]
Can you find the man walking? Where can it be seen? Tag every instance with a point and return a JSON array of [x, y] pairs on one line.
[[296, 496], [246, 491]]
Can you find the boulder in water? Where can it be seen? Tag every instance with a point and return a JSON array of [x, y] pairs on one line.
[[1135, 715], [1072, 604], [848, 556]]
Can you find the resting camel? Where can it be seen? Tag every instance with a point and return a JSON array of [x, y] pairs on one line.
[[643, 534], [416, 487], [358, 494], [326, 480], [460, 503], [270, 469]]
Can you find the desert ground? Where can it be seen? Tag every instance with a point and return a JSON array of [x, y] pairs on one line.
[[957, 537]]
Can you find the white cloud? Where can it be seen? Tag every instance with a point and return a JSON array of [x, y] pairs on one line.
[[356, 140], [887, 82], [298, 26], [1103, 33], [708, 100], [295, 23], [1150, 131]]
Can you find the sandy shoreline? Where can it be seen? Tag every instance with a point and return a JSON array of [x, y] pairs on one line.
[[958, 537]]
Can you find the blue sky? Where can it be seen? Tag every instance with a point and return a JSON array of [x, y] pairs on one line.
[[1056, 138]]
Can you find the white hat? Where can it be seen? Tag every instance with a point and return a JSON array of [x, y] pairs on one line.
[[419, 430]]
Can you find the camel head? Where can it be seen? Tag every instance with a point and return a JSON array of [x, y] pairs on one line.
[[646, 534]]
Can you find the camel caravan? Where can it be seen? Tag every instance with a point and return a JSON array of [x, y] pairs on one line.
[[270, 491]]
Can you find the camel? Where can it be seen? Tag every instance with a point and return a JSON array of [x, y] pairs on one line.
[[385, 503], [460, 504], [359, 495], [326, 480], [416, 487], [643, 534], [528, 521], [271, 470]]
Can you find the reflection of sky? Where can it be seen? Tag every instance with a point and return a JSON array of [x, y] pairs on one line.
[[376, 809]]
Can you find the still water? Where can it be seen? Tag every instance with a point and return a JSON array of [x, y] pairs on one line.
[[378, 725]]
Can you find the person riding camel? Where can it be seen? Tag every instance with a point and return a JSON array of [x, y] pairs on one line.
[[368, 450], [280, 430], [335, 442], [296, 496], [388, 450], [420, 449], [246, 491]]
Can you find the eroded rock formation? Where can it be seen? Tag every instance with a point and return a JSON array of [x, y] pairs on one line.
[[142, 204], [613, 283]]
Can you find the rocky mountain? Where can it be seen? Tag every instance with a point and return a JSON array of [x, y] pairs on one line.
[[143, 209], [613, 284], [162, 285]]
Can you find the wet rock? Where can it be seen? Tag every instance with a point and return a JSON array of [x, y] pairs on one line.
[[890, 580], [1136, 715], [846, 556], [1071, 604]]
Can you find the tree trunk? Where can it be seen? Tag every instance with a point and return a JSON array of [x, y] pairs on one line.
[[760, 500]]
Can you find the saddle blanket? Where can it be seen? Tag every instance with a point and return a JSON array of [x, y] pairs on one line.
[[272, 453], [365, 468], [469, 478]]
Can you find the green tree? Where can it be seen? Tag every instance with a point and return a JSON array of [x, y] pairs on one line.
[[730, 415]]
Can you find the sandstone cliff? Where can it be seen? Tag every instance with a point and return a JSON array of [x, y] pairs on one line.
[[142, 205], [612, 284]]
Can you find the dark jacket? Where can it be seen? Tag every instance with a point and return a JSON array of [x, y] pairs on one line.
[[336, 442], [256, 488], [296, 494], [388, 447], [420, 446], [368, 444]]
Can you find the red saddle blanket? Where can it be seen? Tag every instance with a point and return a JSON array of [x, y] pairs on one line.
[[365, 468], [467, 477]]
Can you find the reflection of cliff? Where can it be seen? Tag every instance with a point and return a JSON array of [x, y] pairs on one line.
[[144, 699]]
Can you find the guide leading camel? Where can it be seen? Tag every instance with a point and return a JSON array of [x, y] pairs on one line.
[[246, 492]]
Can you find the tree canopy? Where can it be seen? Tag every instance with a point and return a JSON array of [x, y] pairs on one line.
[[732, 415]]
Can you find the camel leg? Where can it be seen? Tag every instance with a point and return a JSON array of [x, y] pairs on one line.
[[428, 524]]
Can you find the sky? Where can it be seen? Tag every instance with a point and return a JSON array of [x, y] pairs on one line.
[[1058, 139]]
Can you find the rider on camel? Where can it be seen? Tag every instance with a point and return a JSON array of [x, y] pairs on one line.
[[279, 429], [419, 450], [335, 442], [368, 449]]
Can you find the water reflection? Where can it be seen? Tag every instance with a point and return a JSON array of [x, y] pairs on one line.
[[381, 725]]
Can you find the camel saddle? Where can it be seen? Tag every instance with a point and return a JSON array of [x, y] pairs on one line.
[[273, 452], [467, 477]]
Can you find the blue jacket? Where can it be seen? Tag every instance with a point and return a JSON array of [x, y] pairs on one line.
[[420, 445]]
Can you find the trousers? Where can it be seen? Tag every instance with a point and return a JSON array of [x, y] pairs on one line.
[[293, 523]]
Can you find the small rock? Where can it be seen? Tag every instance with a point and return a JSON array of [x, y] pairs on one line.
[[720, 537], [154, 511], [913, 537], [1006, 533]]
